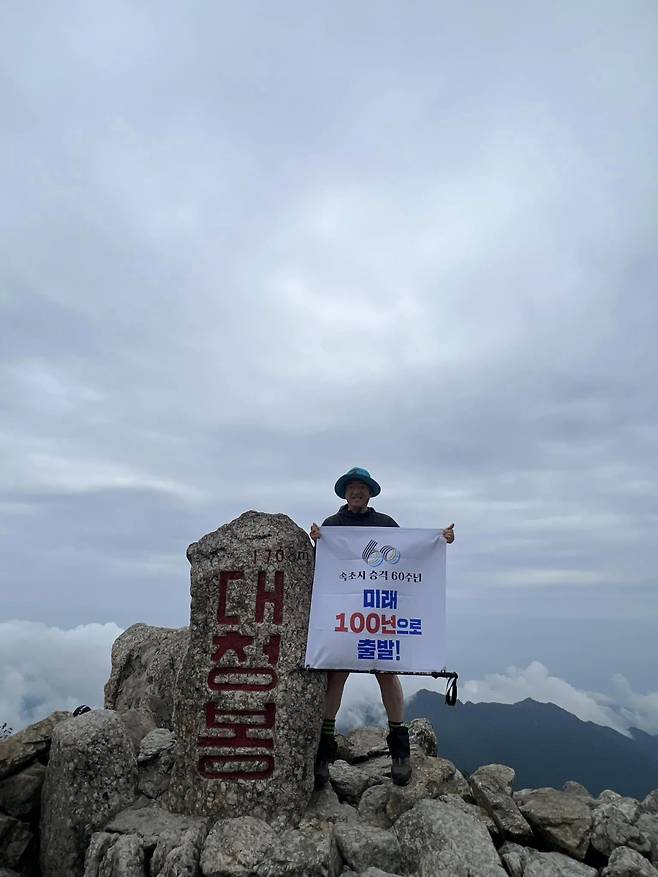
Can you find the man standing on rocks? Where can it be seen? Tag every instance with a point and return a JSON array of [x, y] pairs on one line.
[[356, 487]]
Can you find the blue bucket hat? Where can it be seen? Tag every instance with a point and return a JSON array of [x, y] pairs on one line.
[[356, 474]]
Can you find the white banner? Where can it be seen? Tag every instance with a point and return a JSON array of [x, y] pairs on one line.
[[378, 600]]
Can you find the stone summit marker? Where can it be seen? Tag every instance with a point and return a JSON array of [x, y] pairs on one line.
[[247, 716]]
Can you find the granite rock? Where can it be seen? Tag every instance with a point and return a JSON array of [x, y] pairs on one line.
[[647, 824], [376, 872], [475, 810], [28, 745], [491, 786], [92, 774], [155, 761], [251, 589], [430, 778], [349, 782], [423, 735], [363, 846], [178, 855], [523, 861], [561, 819], [302, 854], [625, 862], [614, 824], [575, 788], [441, 840], [325, 810], [138, 723], [15, 837], [650, 803], [151, 822], [20, 794], [372, 806], [360, 744], [145, 663], [235, 847]]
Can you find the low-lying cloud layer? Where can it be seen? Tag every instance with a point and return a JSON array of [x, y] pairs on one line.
[[47, 668]]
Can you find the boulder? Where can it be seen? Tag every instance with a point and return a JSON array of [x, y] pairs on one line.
[[372, 806], [302, 854], [325, 810], [124, 857], [28, 745], [491, 787], [423, 735], [151, 823], [473, 810], [527, 862], [15, 837], [515, 857], [247, 714], [138, 723], [625, 862], [235, 847], [145, 663], [349, 782], [556, 865], [360, 744], [614, 824], [650, 803], [375, 872], [499, 775], [439, 839], [647, 824], [155, 761], [430, 778], [363, 846], [172, 844], [91, 775], [575, 788], [561, 819], [99, 844], [20, 794]]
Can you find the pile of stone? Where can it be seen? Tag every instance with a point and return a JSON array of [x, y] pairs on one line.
[[201, 763], [98, 807]]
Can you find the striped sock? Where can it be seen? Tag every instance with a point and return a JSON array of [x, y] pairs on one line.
[[329, 727], [394, 725]]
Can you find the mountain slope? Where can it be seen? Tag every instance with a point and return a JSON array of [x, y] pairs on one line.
[[545, 744]]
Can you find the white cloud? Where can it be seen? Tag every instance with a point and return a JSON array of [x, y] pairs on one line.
[[622, 710], [46, 668]]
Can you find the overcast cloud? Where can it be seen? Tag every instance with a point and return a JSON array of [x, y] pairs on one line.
[[246, 247]]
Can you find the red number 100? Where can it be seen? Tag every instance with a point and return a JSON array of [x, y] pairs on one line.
[[358, 623]]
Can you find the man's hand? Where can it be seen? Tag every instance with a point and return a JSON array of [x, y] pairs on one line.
[[315, 532], [448, 534]]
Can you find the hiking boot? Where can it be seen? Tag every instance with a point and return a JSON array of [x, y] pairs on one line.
[[326, 753], [398, 746]]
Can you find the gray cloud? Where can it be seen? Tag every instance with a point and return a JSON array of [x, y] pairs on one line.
[[243, 250]]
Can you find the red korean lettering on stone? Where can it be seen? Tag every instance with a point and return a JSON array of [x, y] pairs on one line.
[[219, 679], [209, 766], [225, 577], [233, 641], [241, 732], [275, 597]]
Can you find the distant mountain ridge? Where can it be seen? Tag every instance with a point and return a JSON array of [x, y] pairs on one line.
[[545, 744]]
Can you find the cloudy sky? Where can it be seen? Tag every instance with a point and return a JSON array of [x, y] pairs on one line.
[[245, 247]]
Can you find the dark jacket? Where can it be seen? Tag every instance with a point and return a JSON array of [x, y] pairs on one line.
[[369, 518]]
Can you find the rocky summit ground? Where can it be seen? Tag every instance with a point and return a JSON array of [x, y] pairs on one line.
[[88, 796]]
